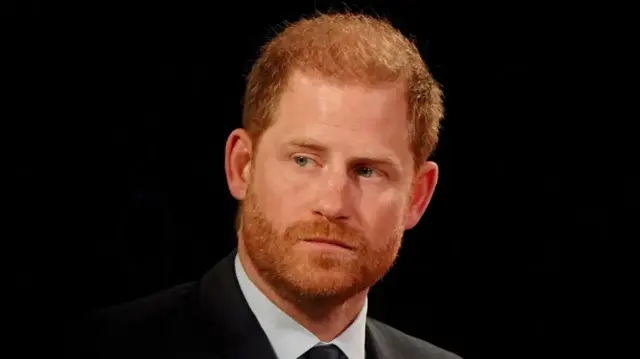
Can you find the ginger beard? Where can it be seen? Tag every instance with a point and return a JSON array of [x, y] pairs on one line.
[[314, 275]]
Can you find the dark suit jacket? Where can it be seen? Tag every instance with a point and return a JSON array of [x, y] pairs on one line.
[[208, 319]]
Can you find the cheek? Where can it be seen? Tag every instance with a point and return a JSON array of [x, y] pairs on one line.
[[384, 214], [280, 197]]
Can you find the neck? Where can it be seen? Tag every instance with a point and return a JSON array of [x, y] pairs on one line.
[[326, 319]]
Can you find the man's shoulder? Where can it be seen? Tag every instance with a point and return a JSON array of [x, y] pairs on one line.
[[406, 346], [149, 308], [156, 322]]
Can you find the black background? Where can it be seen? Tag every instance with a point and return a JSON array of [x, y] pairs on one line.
[[116, 116]]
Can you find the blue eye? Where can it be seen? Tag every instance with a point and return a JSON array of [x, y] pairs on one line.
[[301, 160], [365, 171]]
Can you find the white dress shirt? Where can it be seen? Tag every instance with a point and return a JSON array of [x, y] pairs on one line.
[[288, 338]]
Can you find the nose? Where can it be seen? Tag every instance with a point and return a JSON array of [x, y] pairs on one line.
[[333, 195]]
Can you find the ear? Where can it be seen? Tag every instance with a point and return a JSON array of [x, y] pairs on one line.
[[424, 184], [237, 162]]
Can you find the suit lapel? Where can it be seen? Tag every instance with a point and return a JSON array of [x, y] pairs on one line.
[[377, 346], [231, 327]]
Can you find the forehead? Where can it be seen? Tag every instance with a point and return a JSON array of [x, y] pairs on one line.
[[354, 117]]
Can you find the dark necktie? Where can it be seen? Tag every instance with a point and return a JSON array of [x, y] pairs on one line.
[[324, 352]]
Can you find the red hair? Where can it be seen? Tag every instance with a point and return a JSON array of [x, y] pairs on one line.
[[345, 47]]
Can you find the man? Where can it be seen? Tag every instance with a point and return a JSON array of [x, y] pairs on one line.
[[330, 167]]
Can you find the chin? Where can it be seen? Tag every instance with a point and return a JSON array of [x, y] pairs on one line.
[[322, 277]]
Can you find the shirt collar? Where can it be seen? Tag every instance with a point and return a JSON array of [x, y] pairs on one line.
[[288, 338]]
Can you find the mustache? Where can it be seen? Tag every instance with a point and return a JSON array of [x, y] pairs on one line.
[[331, 230]]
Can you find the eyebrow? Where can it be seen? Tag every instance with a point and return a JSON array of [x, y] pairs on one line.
[[378, 160]]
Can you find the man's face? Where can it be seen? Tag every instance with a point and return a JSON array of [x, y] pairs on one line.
[[335, 165]]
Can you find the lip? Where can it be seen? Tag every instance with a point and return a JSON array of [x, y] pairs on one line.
[[333, 242]]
